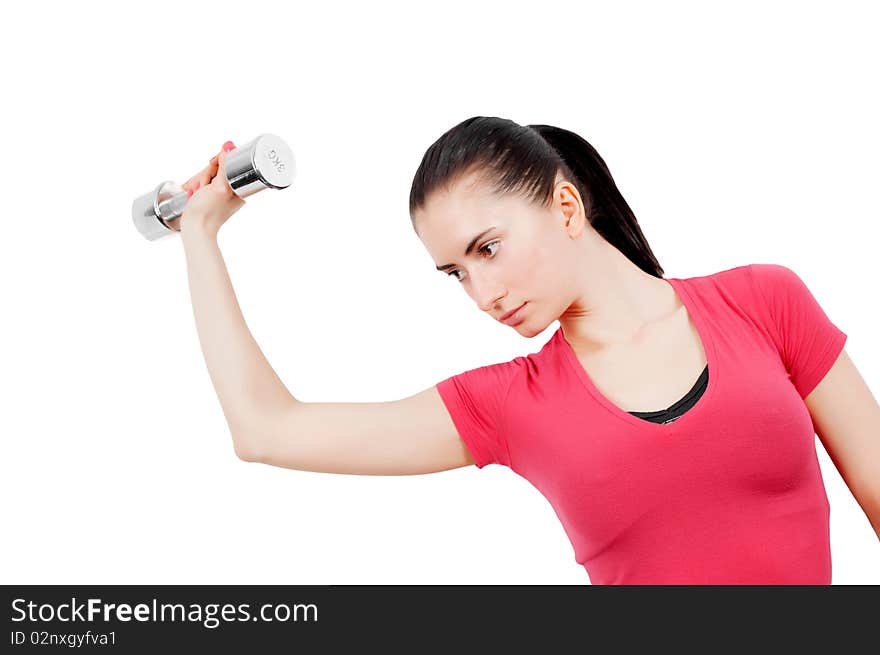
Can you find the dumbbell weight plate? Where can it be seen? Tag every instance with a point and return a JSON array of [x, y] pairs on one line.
[[267, 161]]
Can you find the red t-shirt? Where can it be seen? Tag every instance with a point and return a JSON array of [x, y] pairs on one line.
[[729, 493]]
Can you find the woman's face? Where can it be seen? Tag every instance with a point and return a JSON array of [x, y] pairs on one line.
[[518, 252]]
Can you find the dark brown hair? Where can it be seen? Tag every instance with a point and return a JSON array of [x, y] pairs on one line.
[[513, 158]]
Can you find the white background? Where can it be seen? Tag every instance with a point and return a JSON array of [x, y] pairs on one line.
[[738, 134]]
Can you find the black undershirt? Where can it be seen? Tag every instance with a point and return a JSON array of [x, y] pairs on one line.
[[680, 406]]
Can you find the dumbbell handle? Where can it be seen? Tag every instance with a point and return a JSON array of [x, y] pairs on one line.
[[267, 162]]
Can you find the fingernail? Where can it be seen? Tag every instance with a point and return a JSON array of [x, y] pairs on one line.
[[228, 146], [189, 193]]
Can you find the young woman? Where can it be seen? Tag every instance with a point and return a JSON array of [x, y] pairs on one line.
[[670, 422]]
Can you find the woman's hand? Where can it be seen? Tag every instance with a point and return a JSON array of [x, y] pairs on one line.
[[211, 200]]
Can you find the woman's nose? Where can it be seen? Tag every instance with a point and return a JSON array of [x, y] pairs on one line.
[[487, 296]]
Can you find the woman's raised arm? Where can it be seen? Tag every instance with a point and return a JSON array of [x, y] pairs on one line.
[[400, 437], [268, 425]]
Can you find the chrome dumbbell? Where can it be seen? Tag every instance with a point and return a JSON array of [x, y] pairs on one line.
[[267, 162]]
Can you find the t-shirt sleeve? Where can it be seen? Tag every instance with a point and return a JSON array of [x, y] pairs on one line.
[[807, 340], [475, 401]]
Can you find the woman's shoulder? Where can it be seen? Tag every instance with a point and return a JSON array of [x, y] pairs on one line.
[[751, 278], [734, 282]]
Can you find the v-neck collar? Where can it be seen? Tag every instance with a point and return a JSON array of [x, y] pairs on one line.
[[705, 334]]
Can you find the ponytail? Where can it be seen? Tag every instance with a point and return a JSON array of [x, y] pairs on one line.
[[607, 211]]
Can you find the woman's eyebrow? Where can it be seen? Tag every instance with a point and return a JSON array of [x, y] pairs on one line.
[[470, 247]]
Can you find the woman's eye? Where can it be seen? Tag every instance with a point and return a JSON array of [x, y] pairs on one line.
[[491, 243]]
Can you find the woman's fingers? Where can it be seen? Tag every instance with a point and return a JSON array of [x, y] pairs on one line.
[[197, 179], [228, 147], [204, 176]]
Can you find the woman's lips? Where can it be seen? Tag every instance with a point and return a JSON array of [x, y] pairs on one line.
[[515, 316]]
